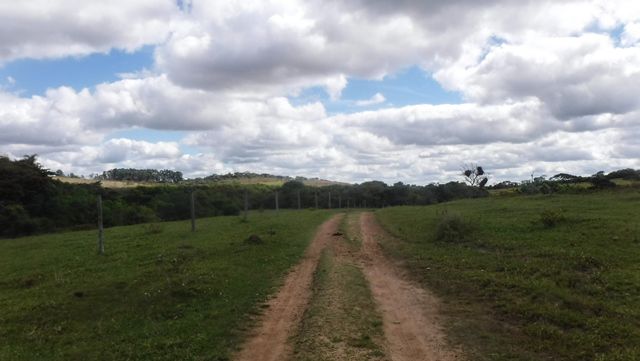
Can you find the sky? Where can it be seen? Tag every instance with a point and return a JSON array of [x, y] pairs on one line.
[[405, 90]]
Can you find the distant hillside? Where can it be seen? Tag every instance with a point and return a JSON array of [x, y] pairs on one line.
[[230, 178], [105, 183], [264, 178]]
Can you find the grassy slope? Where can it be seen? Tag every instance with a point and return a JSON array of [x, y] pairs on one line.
[[106, 183], [269, 181], [172, 295], [520, 291]]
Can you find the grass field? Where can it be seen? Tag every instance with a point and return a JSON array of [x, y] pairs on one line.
[[518, 289], [159, 293]]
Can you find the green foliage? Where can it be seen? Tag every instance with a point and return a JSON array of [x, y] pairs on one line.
[[539, 185], [170, 295], [551, 217], [627, 174], [48, 204], [519, 291], [600, 181], [452, 227], [16, 220], [142, 175]]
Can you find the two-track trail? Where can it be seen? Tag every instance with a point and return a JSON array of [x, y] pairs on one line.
[[411, 318], [270, 340], [332, 311]]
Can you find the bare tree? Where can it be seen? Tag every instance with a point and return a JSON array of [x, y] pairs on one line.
[[474, 175]]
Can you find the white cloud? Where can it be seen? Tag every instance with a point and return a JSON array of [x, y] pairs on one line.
[[122, 149], [377, 98], [546, 88], [573, 76], [53, 29], [275, 46], [50, 120]]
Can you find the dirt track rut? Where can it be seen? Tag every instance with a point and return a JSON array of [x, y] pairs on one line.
[[411, 320], [270, 340]]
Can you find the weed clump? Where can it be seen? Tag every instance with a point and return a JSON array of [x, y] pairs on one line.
[[154, 228], [452, 227], [551, 218], [254, 239]]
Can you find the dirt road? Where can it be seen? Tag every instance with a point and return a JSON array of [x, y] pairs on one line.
[[411, 320], [270, 341]]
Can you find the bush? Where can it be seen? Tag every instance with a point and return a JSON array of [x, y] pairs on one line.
[[538, 186], [600, 182], [452, 227], [154, 228], [16, 221], [550, 218]]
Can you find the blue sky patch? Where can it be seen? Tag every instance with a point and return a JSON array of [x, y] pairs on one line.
[[34, 77], [408, 87]]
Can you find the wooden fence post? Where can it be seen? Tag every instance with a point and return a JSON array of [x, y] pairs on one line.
[[193, 211], [246, 204], [277, 204], [100, 227]]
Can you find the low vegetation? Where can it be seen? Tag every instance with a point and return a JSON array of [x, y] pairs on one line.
[[550, 277], [453, 227], [161, 292]]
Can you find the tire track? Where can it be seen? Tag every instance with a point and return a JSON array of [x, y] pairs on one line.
[[411, 320], [269, 341]]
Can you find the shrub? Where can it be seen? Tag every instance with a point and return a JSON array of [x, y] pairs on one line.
[[600, 182], [452, 227], [154, 228], [16, 221], [550, 218]]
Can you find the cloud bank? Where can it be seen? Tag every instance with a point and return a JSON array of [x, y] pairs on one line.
[[547, 87]]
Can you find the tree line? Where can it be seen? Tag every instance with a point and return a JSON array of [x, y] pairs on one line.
[[141, 175], [565, 182], [31, 201]]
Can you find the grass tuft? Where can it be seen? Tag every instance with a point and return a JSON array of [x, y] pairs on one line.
[[453, 227]]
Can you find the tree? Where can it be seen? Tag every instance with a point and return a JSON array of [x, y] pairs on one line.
[[627, 173], [566, 178], [600, 181], [474, 175]]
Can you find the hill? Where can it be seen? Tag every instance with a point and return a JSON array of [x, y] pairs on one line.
[[231, 178]]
